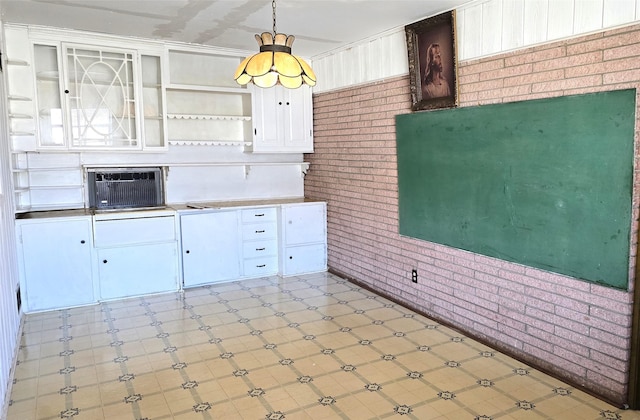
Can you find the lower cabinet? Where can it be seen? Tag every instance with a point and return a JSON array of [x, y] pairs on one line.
[[303, 238], [78, 260], [137, 270], [55, 262], [210, 247], [136, 256]]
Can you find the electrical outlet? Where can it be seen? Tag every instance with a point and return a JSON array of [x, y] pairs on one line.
[[414, 275]]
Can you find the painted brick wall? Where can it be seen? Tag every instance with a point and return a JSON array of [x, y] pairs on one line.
[[574, 329]]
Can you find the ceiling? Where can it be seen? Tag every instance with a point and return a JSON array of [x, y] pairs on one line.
[[320, 26]]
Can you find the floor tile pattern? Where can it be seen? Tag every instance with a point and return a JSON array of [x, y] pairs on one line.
[[308, 347]]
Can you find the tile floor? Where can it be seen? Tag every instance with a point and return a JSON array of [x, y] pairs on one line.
[[309, 347]]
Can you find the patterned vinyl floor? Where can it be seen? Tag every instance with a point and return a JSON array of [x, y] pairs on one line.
[[309, 347]]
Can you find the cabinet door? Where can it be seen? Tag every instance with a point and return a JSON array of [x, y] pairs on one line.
[[50, 117], [100, 86], [266, 121], [304, 223], [304, 259], [137, 270], [296, 105], [210, 247], [152, 104], [56, 263], [283, 120]]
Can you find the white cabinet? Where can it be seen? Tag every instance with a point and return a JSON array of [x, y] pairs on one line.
[[87, 97], [67, 99], [259, 241], [113, 98], [303, 238], [136, 255], [204, 104], [283, 120], [55, 262], [210, 247], [137, 270]]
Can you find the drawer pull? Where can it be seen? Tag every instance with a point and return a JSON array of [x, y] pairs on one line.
[[82, 241], [261, 265], [259, 215], [260, 249], [259, 231]]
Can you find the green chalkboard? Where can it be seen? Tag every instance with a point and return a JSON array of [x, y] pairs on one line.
[[545, 183]]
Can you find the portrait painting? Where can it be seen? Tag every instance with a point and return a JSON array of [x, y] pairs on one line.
[[431, 47]]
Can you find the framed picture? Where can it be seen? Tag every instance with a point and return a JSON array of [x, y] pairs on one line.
[[431, 44]]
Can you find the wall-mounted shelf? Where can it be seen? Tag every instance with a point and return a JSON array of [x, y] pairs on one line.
[[19, 98], [50, 76], [205, 88], [21, 116], [17, 63], [246, 167], [209, 117], [207, 143], [206, 107]]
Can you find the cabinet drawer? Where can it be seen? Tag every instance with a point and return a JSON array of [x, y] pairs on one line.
[[257, 249], [255, 231], [134, 231], [266, 214], [257, 267]]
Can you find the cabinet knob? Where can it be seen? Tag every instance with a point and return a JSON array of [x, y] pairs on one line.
[[290, 257], [287, 103], [66, 91], [188, 251], [104, 261], [279, 103], [82, 241]]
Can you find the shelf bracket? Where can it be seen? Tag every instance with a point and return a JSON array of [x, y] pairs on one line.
[[304, 168]]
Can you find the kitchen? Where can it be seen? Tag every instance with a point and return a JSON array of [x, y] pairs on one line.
[[239, 176], [217, 148]]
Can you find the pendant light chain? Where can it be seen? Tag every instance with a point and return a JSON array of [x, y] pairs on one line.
[[273, 5]]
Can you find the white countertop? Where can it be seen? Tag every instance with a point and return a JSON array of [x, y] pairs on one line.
[[159, 211]]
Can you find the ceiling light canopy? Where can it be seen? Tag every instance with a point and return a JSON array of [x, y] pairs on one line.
[[275, 63]]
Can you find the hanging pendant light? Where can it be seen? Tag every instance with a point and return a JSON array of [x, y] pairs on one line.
[[275, 63]]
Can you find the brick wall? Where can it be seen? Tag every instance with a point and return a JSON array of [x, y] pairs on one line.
[[576, 330]]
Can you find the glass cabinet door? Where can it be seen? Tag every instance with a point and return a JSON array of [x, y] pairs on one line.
[[101, 98], [151, 102], [50, 115]]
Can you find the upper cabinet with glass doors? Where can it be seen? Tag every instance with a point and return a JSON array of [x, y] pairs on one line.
[[91, 98]]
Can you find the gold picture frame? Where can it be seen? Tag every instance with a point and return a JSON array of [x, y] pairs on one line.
[[433, 66]]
